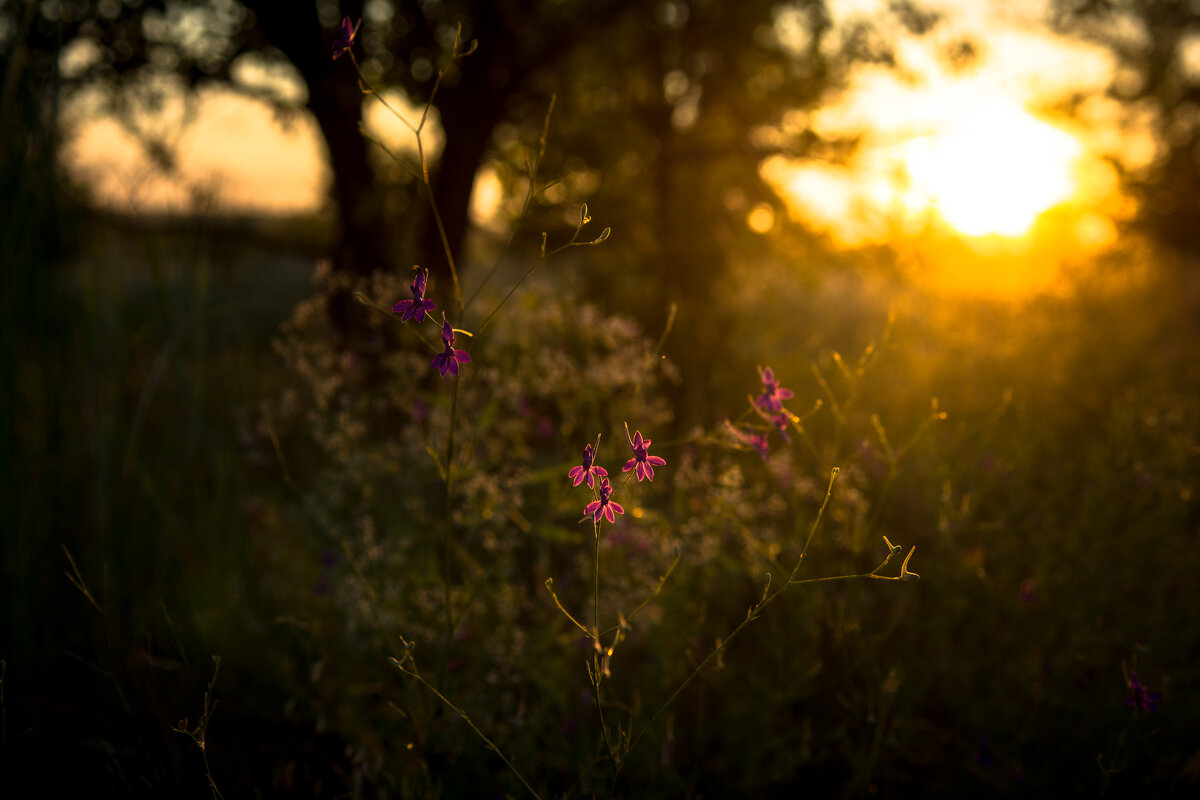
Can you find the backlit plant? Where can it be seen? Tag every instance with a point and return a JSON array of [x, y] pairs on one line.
[[454, 501]]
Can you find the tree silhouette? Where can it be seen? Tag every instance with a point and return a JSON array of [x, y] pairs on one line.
[[1157, 47], [667, 107]]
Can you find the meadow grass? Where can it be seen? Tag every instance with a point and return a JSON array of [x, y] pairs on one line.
[[1053, 512], [408, 596]]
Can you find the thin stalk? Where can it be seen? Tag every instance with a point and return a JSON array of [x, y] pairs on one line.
[[531, 191], [199, 734], [596, 581], [586, 632], [662, 580], [426, 184], [463, 715], [573, 242], [363, 300], [437, 218], [812, 531], [511, 291], [598, 650], [448, 533], [751, 615]]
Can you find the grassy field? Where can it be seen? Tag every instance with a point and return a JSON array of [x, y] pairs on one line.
[[194, 469]]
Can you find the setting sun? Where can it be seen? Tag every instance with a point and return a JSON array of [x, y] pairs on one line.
[[992, 171]]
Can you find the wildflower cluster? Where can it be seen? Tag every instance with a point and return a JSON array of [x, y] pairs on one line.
[[769, 407], [414, 310], [1140, 698], [642, 464], [604, 505], [447, 361], [492, 513]]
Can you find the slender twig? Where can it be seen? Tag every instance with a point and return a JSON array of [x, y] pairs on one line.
[[586, 631], [199, 733], [598, 655], [448, 530], [455, 55], [752, 614], [400, 664], [531, 191], [672, 310], [363, 300], [584, 219], [662, 580], [76, 579], [812, 531]]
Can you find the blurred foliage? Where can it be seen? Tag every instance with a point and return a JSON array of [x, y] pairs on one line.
[[648, 90], [1156, 44], [214, 484]]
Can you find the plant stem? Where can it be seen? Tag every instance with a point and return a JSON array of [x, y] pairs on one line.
[[448, 533], [463, 715], [751, 615], [598, 654]]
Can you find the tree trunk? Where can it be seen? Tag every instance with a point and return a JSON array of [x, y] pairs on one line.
[[469, 112], [364, 243]]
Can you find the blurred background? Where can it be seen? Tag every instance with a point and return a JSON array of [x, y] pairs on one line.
[[982, 211]]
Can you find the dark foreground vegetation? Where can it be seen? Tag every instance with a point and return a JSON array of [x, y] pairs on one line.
[[262, 536]]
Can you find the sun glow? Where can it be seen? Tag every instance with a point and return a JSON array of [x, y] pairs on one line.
[[991, 171]]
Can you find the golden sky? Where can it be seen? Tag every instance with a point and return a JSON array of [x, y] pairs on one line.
[[972, 152], [233, 150], [975, 149]]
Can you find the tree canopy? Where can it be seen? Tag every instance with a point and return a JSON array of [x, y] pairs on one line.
[[671, 83], [1157, 47]]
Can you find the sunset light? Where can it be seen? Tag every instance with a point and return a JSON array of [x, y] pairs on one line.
[[337, 336], [990, 172]]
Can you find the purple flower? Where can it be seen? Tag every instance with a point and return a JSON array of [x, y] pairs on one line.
[[781, 421], [1140, 697], [587, 470], [1027, 594], [605, 506], [417, 307], [642, 460], [773, 394], [345, 39], [746, 437], [447, 361]]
